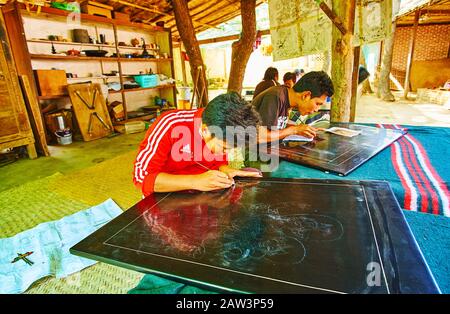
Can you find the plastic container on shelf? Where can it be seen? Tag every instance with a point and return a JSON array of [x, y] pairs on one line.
[[146, 80]]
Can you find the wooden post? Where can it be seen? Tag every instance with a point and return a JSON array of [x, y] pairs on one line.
[[342, 61], [243, 48], [326, 61], [366, 87], [355, 77], [411, 53], [187, 35], [31, 150], [384, 89], [380, 56], [333, 17], [119, 65], [225, 65], [183, 65], [34, 112]]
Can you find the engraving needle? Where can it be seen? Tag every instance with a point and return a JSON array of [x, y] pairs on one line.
[[207, 168]]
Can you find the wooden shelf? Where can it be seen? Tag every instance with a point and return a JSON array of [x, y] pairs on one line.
[[69, 43], [144, 59], [49, 97], [85, 58], [61, 57], [105, 77], [142, 88], [90, 77], [161, 35], [91, 18], [140, 118], [136, 48]]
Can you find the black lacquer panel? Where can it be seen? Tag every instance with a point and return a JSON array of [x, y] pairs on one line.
[[270, 236], [338, 154]]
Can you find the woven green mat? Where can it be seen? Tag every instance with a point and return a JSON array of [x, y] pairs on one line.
[[56, 196], [98, 279], [110, 179], [30, 204]]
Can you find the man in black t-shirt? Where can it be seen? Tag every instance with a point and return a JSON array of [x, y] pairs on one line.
[[307, 95]]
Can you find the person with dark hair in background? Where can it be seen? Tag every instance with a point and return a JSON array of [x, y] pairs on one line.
[[299, 73], [270, 79], [181, 150], [274, 104], [289, 79]]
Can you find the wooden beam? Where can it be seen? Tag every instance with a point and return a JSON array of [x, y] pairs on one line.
[[197, 8], [138, 13], [170, 20], [411, 54], [355, 77], [215, 22], [229, 37], [218, 39], [216, 8], [152, 10], [435, 11], [333, 17], [219, 20]]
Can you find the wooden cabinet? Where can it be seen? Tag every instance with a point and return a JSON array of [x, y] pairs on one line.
[[15, 128]]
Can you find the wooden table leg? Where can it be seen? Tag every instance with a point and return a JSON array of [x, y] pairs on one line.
[[31, 149]]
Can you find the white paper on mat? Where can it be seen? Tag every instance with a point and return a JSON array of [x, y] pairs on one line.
[[343, 131], [297, 138]]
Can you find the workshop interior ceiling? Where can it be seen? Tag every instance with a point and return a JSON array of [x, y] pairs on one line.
[[431, 12], [205, 13]]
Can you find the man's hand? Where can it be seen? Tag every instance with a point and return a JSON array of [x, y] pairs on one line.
[[231, 172], [303, 130], [212, 180]]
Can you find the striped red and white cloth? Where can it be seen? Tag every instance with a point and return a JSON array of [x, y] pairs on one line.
[[425, 190]]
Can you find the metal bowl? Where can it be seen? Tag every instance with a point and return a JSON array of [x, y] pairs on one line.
[[95, 53]]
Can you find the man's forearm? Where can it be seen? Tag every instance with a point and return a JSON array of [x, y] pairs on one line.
[[265, 135], [166, 182]]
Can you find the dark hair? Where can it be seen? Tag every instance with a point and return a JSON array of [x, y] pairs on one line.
[[270, 74], [289, 76], [318, 83], [231, 110]]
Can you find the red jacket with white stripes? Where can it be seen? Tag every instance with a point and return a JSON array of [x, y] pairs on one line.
[[174, 145]]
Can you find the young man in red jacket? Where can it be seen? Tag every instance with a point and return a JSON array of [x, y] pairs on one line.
[[187, 149]]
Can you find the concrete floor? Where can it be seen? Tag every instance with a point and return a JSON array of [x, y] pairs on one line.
[[79, 155], [370, 109]]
